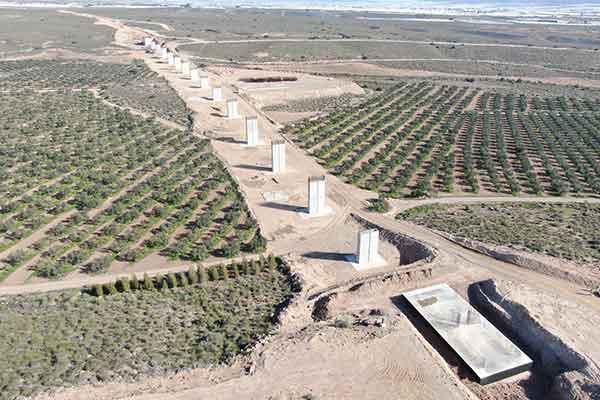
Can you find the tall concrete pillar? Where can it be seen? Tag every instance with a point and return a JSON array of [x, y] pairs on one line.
[[278, 156], [178, 64], [171, 59], [195, 77], [185, 69], [204, 83], [316, 195], [232, 108], [252, 131], [164, 54], [217, 94], [368, 247]]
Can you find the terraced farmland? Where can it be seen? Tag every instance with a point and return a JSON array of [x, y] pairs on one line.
[[418, 139], [83, 184]]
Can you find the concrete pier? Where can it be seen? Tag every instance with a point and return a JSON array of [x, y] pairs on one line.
[[252, 131], [232, 108], [185, 69], [217, 94], [368, 249], [316, 196], [178, 64], [195, 77], [164, 53], [171, 59], [204, 82], [278, 156]]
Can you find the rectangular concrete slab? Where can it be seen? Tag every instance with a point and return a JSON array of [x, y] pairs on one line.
[[486, 351]]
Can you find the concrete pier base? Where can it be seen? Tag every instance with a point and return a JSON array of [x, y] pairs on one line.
[[204, 82], [278, 156], [252, 139], [195, 77], [317, 197], [489, 354], [368, 250], [252, 131]]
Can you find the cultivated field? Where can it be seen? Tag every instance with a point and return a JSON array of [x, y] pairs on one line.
[[68, 74], [568, 231], [137, 328], [322, 104], [84, 184], [127, 85], [418, 139]]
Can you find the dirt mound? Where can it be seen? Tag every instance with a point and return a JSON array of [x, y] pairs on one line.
[[574, 385], [270, 79], [322, 310]]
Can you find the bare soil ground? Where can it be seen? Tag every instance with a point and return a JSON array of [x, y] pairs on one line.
[[305, 87]]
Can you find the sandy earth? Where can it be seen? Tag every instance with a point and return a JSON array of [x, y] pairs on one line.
[[388, 359]]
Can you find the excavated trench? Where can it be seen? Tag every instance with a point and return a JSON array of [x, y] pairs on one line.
[[568, 374], [417, 264]]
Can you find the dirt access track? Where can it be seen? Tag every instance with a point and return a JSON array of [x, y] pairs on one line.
[[375, 352]]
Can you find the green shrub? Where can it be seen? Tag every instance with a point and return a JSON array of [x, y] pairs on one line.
[[182, 277], [162, 283], [193, 275], [213, 273], [124, 285], [380, 204], [98, 265], [148, 283], [202, 275], [172, 280], [98, 290], [134, 282]]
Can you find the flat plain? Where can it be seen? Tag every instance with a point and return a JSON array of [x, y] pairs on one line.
[[136, 223]]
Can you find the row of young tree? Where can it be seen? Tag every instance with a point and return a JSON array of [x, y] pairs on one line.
[[195, 275], [510, 102]]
